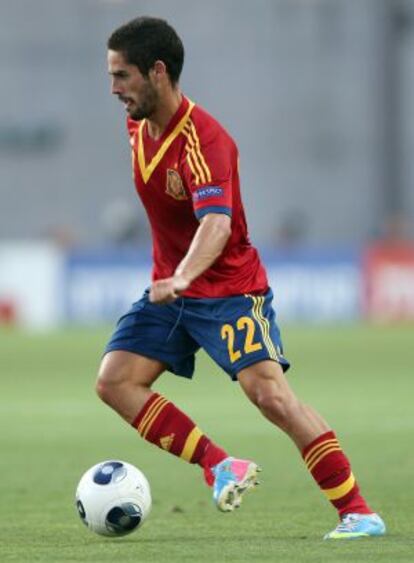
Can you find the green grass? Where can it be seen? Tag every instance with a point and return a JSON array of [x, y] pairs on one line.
[[53, 428]]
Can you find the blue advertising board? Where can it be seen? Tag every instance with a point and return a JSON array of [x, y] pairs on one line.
[[100, 285], [309, 285], [316, 285]]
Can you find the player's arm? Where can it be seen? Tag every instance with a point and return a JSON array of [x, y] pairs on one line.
[[207, 245]]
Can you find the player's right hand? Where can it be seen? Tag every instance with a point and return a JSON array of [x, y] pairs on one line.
[[167, 290]]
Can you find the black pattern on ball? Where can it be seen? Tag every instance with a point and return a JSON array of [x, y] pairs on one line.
[[81, 511], [121, 520]]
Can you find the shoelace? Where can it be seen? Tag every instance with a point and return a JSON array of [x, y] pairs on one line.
[[348, 524], [224, 475]]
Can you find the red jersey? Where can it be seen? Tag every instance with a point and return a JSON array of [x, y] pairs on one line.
[[190, 171]]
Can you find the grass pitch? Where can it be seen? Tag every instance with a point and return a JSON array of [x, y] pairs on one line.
[[53, 428]]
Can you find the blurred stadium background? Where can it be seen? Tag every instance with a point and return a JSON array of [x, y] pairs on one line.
[[319, 95]]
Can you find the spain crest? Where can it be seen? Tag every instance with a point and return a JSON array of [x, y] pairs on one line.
[[175, 186]]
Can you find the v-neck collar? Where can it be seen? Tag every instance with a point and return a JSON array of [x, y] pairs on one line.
[[173, 129]]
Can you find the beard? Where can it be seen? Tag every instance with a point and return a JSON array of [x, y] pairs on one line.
[[147, 105]]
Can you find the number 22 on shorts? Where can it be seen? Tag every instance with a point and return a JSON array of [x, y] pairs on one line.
[[247, 325]]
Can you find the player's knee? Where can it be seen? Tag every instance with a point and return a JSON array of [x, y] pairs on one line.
[[117, 379], [279, 408], [103, 387], [108, 382]]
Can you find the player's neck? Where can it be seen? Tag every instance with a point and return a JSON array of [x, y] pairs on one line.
[[168, 106]]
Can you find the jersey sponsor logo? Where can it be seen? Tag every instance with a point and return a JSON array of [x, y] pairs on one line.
[[175, 186], [206, 193]]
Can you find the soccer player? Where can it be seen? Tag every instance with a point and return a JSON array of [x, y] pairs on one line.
[[209, 288]]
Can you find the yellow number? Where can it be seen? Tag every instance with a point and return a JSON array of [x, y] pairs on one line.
[[227, 331], [249, 345]]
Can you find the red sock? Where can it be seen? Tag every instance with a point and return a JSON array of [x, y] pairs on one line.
[[332, 471], [162, 424]]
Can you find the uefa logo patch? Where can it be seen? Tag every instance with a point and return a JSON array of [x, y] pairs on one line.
[[208, 192]]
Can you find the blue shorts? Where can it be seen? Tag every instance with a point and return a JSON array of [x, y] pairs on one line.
[[235, 331]]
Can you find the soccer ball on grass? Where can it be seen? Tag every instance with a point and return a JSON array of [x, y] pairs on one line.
[[113, 498]]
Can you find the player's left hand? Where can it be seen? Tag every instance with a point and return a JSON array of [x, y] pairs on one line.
[[167, 290]]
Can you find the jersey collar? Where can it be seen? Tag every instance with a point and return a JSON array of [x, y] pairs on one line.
[[174, 128]]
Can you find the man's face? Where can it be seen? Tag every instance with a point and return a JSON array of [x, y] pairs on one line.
[[133, 89]]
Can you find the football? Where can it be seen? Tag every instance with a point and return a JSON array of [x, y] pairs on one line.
[[113, 498]]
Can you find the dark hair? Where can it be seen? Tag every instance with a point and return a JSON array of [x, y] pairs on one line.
[[145, 40]]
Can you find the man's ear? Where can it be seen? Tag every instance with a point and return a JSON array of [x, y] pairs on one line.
[[159, 70]]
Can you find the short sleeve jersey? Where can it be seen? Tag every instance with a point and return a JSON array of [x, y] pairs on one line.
[[192, 170]]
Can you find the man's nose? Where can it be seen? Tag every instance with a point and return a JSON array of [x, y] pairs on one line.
[[115, 86]]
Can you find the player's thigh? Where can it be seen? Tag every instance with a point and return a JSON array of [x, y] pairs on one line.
[[120, 366]]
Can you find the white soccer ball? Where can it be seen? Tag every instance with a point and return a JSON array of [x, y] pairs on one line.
[[113, 498]]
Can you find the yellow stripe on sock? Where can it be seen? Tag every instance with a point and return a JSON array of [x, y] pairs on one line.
[[191, 443], [322, 455], [153, 418], [320, 445], [323, 448], [159, 400], [338, 492], [148, 413]]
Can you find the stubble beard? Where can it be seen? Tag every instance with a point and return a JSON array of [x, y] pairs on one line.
[[148, 103]]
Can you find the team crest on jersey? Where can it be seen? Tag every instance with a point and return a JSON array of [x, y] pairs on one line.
[[175, 186]]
